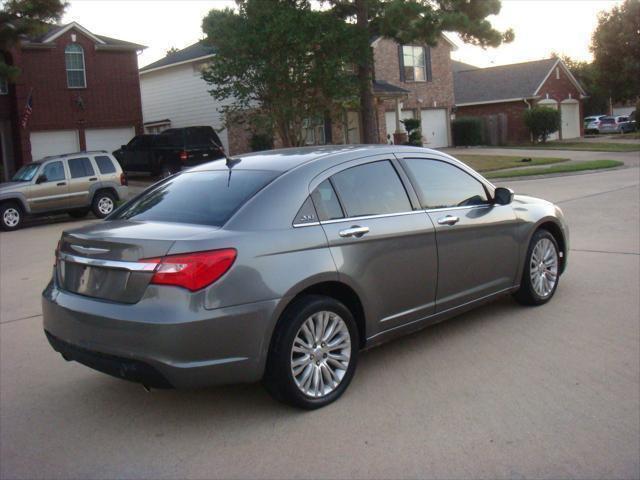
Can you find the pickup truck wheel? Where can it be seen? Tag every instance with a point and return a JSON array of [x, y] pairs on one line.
[[11, 216], [103, 204]]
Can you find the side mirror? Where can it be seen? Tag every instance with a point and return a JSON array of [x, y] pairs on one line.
[[503, 196], [41, 179]]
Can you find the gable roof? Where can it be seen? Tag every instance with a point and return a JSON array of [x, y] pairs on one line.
[[51, 32], [506, 82], [461, 66], [196, 51]]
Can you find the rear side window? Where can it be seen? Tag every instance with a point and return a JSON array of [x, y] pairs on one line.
[[371, 189], [442, 185], [204, 198], [326, 202], [80, 167], [105, 165]]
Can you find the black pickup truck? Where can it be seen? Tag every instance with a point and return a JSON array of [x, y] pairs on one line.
[[166, 153]]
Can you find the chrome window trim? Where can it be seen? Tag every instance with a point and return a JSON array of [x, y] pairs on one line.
[[97, 262], [386, 215]]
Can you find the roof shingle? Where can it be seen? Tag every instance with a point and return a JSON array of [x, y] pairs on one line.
[[197, 50]]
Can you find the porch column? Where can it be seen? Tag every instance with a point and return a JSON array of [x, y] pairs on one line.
[[398, 116]]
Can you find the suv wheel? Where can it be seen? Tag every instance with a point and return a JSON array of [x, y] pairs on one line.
[[10, 216], [103, 204], [541, 270], [313, 354]]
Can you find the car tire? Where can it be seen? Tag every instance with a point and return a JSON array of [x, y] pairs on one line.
[[103, 204], [11, 216], [541, 273], [312, 375], [79, 213]]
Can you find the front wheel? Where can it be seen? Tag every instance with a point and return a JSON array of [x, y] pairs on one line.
[[541, 270], [313, 354], [11, 216]]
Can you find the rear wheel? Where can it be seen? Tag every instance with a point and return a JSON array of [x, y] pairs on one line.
[[541, 270], [313, 354], [103, 204], [11, 216]]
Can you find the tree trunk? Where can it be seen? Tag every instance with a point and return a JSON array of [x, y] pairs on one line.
[[365, 77]]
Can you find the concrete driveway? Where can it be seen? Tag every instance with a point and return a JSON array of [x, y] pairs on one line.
[[502, 392]]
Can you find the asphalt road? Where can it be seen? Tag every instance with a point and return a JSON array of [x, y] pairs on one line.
[[502, 392]]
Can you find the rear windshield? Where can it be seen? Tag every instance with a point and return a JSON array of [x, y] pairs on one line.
[[204, 198], [608, 120]]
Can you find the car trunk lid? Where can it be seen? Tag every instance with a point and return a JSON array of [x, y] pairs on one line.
[[103, 260]]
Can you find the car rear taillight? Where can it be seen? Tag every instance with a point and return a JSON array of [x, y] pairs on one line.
[[123, 179], [192, 271], [184, 156]]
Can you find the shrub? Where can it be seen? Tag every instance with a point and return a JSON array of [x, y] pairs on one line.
[[261, 141], [412, 126], [542, 122], [467, 131]]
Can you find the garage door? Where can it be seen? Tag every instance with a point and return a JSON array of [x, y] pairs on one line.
[[108, 139], [434, 127], [570, 118], [54, 142]]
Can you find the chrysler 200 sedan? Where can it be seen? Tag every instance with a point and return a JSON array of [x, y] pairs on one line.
[[282, 265]]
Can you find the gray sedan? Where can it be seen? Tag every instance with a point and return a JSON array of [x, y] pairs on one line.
[[282, 265]]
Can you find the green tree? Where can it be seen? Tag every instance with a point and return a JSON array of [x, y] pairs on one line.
[[542, 122], [283, 59], [409, 21], [24, 17], [171, 51], [616, 51]]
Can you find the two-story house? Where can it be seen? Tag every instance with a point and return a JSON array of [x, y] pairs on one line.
[[83, 90], [411, 81]]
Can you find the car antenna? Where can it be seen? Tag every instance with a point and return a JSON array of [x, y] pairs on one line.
[[231, 162]]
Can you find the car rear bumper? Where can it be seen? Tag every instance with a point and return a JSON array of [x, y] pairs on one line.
[[160, 345]]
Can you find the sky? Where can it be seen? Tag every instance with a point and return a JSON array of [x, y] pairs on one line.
[[541, 26]]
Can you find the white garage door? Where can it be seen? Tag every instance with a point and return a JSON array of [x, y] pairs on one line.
[[53, 142], [108, 139], [434, 127], [570, 118]]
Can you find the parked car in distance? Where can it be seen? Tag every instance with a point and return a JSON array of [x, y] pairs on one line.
[[75, 183], [617, 124], [168, 152], [282, 265], [592, 124]]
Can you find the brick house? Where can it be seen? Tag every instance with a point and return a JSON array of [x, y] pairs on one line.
[[85, 95], [509, 90], [413, 81]]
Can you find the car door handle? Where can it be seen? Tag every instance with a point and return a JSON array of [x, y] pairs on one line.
[[354, 231], [61, 184], [448, 220], [93, 179]]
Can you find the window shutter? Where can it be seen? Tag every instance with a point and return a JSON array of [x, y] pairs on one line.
[[401, 63], [427, 62]]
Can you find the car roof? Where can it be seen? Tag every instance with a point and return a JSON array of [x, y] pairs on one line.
[[285, 159], [73, 154]]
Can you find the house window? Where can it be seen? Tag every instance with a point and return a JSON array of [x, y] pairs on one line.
[[414, 64], [313, 131], [74, 61]]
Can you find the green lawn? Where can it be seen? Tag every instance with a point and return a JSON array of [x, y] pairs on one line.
[[487, 163], [569, 167], [588, 146]]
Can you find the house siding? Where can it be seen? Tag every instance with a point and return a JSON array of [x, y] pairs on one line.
[[179, 93], [111, 98]]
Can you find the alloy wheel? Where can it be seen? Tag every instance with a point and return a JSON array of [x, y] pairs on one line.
[[543, 267], [320, 354], [11, 217], [105, 205]]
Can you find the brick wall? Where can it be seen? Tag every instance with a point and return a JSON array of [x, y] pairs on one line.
[[111, 97], [560, 89], [517, 131]]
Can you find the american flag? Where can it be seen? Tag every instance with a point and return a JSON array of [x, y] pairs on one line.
[[28, 110]]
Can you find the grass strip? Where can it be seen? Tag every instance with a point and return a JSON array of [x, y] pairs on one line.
[[570, 167]]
